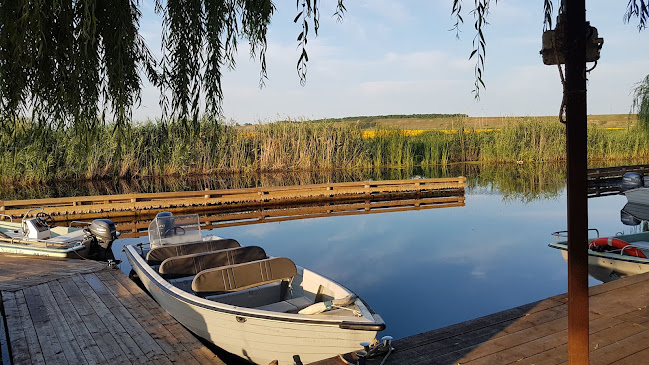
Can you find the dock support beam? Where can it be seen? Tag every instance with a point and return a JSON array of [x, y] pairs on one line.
[[576, 135]]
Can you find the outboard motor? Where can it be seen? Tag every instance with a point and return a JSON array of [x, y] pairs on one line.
[[100, 236], [631, 180], [165, 222], [628, 220], [105, 232], [645, 181]]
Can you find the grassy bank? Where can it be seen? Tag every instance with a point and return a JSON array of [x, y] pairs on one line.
[[34, 153]]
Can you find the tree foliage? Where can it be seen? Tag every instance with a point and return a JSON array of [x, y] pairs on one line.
[[59, 60], [641, 101], [74, 62], [635, 9]]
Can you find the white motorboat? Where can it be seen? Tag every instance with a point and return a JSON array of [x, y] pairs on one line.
[[258, 307], [622, 255], [38, 236], [638, 196]]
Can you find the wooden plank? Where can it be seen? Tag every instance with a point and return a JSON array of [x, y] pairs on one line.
[[120, 335], [137, 324], [87, 343], [132, 296], [31, 337], [16, 334], [49, 343], [61, 330], [100, 331], [5, 355]]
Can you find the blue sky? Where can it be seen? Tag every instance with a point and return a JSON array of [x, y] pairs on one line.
[[399, 57]]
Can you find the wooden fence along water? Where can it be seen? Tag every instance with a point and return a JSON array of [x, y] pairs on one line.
[[132, 206]]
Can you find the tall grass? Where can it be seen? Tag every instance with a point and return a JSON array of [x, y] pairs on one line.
[[35, 153]]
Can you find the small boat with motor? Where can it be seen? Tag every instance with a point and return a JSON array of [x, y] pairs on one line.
[[623, 255], [258, 307], [39, 236], [638, 196]]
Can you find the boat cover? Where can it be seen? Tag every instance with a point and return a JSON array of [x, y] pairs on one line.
[[192, 264], [161, 253], [242, 276]]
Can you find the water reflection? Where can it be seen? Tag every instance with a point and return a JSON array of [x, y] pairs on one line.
[[602, 273], [447, 265], [525, 182]]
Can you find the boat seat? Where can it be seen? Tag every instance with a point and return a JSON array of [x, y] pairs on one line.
[[192, 264], [72, 236], [288, 306], [232, 278], [159, 254], [4, 235], [252, 297]]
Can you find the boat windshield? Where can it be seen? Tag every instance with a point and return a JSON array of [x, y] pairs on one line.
[[174, 230]]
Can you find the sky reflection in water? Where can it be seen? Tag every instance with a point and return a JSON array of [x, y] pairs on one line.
[[427, 269]]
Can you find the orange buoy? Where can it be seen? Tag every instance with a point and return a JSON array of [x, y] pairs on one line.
[[617, 243]]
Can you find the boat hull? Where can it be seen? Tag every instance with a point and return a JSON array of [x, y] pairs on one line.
[[622, 265], [638, 196], [76, 252], [255, 335]]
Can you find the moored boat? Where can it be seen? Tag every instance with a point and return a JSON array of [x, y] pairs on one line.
[[638, 196], [623, 255], [258, 307], [39, 236]]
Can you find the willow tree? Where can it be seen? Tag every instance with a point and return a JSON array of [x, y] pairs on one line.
[[80, 62], [641, 101]]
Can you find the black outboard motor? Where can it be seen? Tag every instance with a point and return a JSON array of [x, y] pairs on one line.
[[104, 230], [165, 221], [631, 180], [104, 233], [628, 220]]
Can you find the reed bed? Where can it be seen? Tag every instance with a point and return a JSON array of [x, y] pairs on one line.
[[34, 153]]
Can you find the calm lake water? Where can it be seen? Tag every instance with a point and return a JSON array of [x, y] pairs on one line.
[[426, 269]]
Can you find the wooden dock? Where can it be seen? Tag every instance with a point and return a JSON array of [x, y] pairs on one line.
[[537, 333], [615, 172], [132, 205], [82, 312]]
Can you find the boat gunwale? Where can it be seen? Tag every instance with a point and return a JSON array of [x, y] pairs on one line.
[[164, 285], [613, 256]]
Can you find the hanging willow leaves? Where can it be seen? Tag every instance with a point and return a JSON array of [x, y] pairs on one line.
[[66, 62], [638, 9], [641, 101], [72, 62], [635, 9], [480, 13]]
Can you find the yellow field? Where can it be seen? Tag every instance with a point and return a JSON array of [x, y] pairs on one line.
[[416, 126], [602, 121]]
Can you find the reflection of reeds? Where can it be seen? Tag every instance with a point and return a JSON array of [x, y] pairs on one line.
[[33, 153]]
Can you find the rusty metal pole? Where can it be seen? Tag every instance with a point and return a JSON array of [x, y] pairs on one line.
[[576, 133]]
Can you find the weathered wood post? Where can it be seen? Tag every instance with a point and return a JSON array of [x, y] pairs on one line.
[[577, 186]]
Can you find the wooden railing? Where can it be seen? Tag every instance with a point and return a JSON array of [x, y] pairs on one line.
[[89, 207], [616, 171]]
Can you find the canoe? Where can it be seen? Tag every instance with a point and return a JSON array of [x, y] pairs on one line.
[[39, 236], [258, 307]]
